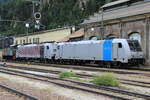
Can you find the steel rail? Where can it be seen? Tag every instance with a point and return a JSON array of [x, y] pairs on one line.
[[90, 85], [68, 86], [91, 68], [18, 92], [82, 75]]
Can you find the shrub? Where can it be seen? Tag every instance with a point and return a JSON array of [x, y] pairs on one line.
[[67, 74], [107, 79]]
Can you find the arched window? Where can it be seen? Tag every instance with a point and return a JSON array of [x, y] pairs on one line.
[[93, 38], [111, 36], [135, 36]]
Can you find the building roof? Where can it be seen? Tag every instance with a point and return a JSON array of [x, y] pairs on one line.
[[135, 9], [115, 3], [64, 39], [76, 34], [42, 32]]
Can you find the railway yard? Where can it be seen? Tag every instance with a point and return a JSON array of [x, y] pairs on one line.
[[38, 81], [75, 50]]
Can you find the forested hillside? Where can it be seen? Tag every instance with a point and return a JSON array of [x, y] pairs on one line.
[[55, 13], [4, 0]]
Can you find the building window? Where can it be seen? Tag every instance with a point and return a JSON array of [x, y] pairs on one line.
[[93, 38], [16, 42], [30, 40], [24, 41], [38, 40], [27, 40], [20, 41], [135, 36], [34, 40]]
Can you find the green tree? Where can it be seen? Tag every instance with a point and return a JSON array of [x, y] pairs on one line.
[[55, 13]]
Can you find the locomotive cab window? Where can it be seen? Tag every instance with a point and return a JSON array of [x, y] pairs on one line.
[[134, 45], [47, 47], [119, 45]]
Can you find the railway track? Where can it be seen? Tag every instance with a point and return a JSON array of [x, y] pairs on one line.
[[136, 68], [133, 71], [124, 81], [87, 87], [18, 93]]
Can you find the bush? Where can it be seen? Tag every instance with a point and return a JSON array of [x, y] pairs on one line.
[[107, 79], [67, 74]]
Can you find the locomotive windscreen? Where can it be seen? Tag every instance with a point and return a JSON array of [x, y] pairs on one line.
[[134, 45]]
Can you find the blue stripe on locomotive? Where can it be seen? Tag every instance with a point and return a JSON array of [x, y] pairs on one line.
[[107, 50]]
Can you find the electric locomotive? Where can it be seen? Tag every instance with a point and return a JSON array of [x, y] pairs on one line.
[[102, 52]]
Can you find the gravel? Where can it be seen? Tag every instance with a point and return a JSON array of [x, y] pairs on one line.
[[46, 91], [5, 95], [121, 76]]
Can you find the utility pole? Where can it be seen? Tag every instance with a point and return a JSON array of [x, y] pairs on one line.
[[102, 23], [27, 26]]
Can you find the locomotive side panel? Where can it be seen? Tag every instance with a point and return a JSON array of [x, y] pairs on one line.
[[9, 53], [120, 51], [95, 51], [107, 50], [81, 50], [66, 51], [49, 50], [29, 51]]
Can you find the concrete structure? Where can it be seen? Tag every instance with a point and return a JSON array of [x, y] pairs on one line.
[[127, 19], [44, 36]]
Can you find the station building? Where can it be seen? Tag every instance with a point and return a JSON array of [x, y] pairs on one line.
[[43, 36], [128, 19]]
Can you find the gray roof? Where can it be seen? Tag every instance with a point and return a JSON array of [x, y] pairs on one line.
[[120, 13], [114, 3]]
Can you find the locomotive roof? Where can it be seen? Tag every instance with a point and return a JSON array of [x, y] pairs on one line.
[[77, 42], [90, 41], [29, 45]]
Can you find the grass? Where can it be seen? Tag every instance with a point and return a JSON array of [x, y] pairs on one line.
[[67, 74], [71, 75], [78, 79], [107, 79]]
